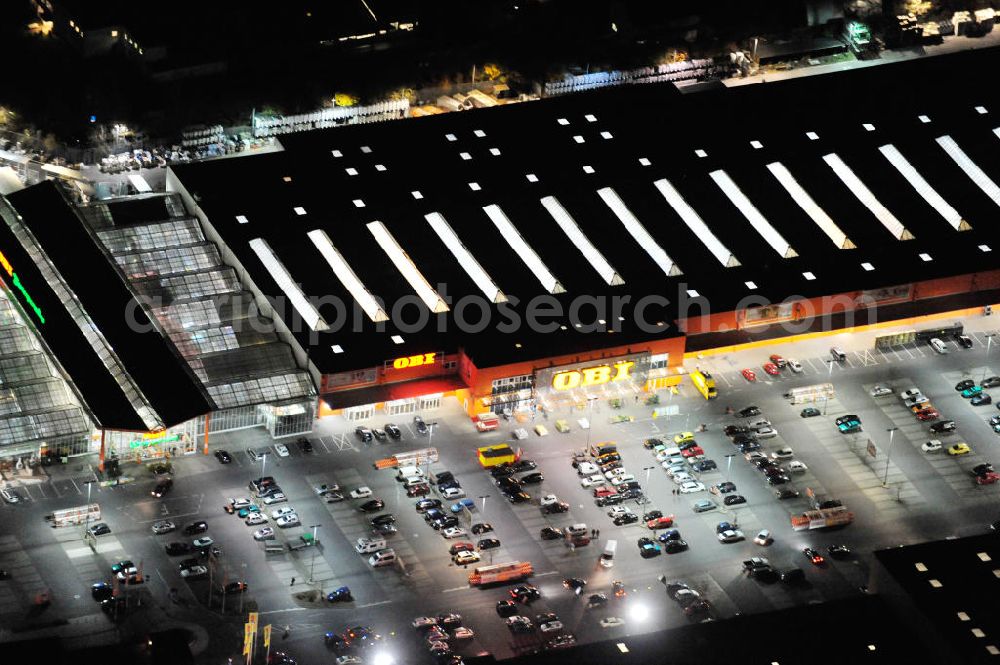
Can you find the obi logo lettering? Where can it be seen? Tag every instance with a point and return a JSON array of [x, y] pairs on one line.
[[592, 376], [414, 361]]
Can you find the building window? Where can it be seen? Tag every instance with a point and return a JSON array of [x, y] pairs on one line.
[[659, 361], [450, 364]]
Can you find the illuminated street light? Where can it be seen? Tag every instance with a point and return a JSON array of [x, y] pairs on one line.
[[638, 612], [383, 658]]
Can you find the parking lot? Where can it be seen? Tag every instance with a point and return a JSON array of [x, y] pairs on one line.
[[925, 496]]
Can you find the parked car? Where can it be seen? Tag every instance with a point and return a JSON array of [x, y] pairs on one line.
[[809, 412]]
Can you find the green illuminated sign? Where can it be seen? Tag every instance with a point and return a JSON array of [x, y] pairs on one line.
[[145, 443], [20, 287]]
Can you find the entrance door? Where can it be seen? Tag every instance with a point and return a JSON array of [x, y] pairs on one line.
[[430, 402], [356, 413], [400, 407]]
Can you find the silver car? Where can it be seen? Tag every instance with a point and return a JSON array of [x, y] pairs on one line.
[[166, 526]]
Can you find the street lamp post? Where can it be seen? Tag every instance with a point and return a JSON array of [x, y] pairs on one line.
[[86, 526], [483, 497], [989, 342], [647, 469], [729, 464], [312, 562], [888, 456]]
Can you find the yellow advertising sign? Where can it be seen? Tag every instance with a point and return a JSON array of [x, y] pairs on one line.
[[248, 631], [592, 376], [267, 636], [252, 620], [414, 361]]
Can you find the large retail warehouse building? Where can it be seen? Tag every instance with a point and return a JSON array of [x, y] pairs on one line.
[[514, 257]]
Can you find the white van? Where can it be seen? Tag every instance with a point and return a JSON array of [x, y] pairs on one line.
[[608, 556], [369, 545], [405, 472], [414, 480], [838, 354], [938, 345], [382, 558], [577, 529]]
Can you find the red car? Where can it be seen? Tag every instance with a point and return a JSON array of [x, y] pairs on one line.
[[987, 478], [461, 547], [664, 522], [771, 369], [603, 490], [813, 556], [749, 375], [779, 361], [928, 414], [693, 451]]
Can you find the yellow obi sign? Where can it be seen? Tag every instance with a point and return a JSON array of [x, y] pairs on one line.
[[592, 376]]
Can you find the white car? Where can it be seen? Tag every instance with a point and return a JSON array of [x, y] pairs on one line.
[[548, 500], [254, 519], [9, 495], [880, 391], [795, 366], [618, 510], [767, 433], [620, 471], [288, 521], [281, 449], [424, 622], [624, 478], [361, 492], [682, 477], [583, 423], [462, 633], [590, 481], [932, 446], [731, 536], [241, 502], [453, 532], [465, 558], [691, 486], [267, 533], [453, 493], [760, 423], [913, 401], [325, 489], [909, 393], [166, 526], [586, 469], [673, 469], [612, 622], [194, 571], [763, 538], [520, 433], [348, 660], [782, 453], [281, 512], [275, 498], [797, 467], [551, 627]]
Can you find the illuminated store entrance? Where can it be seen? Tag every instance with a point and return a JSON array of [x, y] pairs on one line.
[[576, 385]]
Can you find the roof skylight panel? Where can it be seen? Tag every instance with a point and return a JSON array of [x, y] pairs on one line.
[[406, 267], [924, 189], [581, 242], [696, 224], [523, 249], [809, 206], [978, 176], [464, 257], [865, 196], [638, 231], [752, 214], [284, 280], [348, 278]]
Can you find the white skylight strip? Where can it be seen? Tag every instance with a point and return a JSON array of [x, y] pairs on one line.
[[523, 249], [695, 223], [865, 196], [406, 267], [347, 276], [809, 206], [924, 189], [465, 257], [639, 232], [752, 214], [978, 176], [582, 243], [284, 280]]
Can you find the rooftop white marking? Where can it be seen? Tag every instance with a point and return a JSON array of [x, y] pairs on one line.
[[464, 257], [495, 152], [416, 194], [812, 136], [365, 149], [581, 242], [981, 110], [531, 177], [809, 206], [701, 153], [337, 348], [242, 219], [348, 278], [474, 186], [926, 257], [985, 248], [693, 293], [563, 121], [299, 210], [350, 170], [696, 224], [451, 137], [924, 189], [978, 176], [923, 118], [809, 276], [752, 214], [865, 196], [756, 145], [358, 203], [465, 156], [869, 127], [590, 117], [396, 339], [479, 133], [606, 135], [523, 249], [336, 153], [638, 232], [380, 167], [578, 138], [404, 264], [751, 285], [867, 266], [645, 161], [284, 280], [588, 169]]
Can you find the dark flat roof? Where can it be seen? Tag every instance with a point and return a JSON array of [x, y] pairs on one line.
[[652, 122], [105, 297]]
